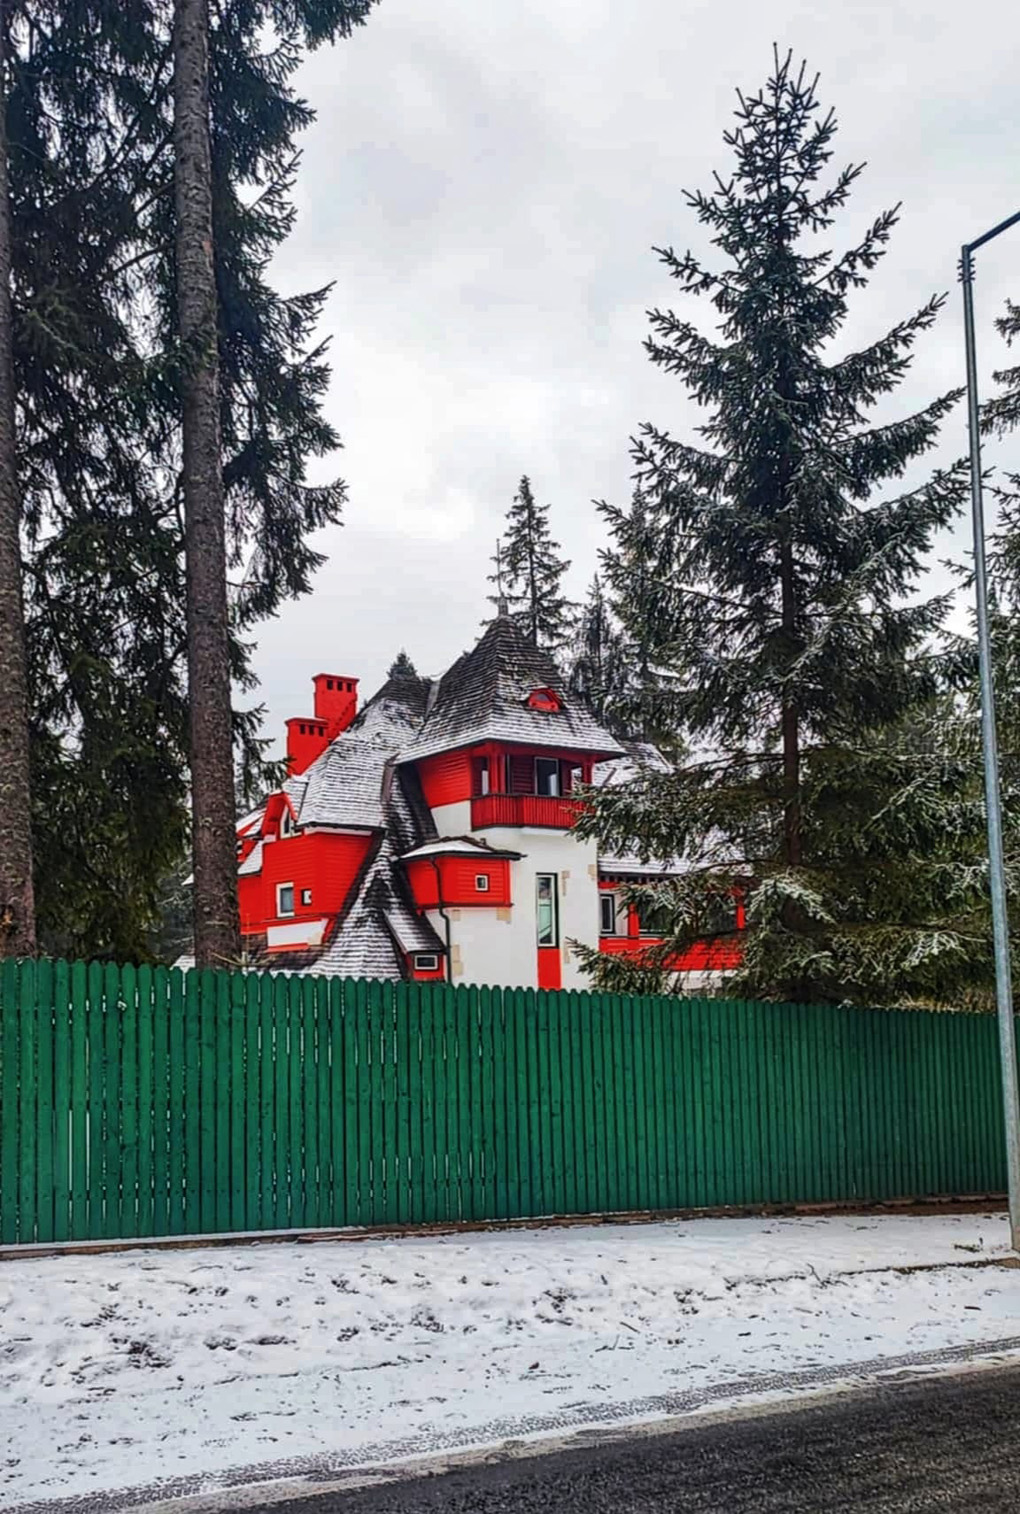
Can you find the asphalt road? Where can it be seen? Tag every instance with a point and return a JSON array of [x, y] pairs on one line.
[[947, 1443]]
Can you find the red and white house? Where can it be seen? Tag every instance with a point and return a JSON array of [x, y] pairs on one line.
[[429, 836]]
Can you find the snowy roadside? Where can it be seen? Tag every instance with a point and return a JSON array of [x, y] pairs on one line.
[[122, 1371]]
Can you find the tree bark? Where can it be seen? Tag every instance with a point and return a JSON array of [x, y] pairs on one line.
[[214, 820], [17, 899], [790, 726]]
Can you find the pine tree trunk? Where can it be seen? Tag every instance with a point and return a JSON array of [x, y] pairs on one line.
[[217, 931], [790, 725], [17, 901]]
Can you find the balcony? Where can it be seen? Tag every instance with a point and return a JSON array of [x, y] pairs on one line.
[[551, 812]]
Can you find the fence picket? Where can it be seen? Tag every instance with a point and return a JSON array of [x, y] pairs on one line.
[[10, 1065], [77, 1031], [44, 1105]]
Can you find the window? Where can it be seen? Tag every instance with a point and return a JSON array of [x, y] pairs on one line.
[[720, 914], [481, 785], [546, 910], [286, 822], [481, 883], [306, 896], [547, 776], [544, 699], [285, 898], [607, 914], [653, 919], [426, 962]]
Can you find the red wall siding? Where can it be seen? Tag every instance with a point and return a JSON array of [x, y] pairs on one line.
[[703, 956], [550, 967], [249, 899], [446, 779], [458, 876], [326, 864], [522, 773]]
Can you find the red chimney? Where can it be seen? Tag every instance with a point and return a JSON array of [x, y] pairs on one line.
[[306, 740], [336, 702]]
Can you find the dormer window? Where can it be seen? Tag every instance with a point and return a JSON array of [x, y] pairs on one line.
[[287, 827], [544, 699]]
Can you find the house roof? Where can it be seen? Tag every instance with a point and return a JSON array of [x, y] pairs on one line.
[[459, 846], [394, 714], [253, 862], [344, 786], [638, 757], [411, 932], [484, 697]]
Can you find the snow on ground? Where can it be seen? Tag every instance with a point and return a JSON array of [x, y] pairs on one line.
[[118, 1371]]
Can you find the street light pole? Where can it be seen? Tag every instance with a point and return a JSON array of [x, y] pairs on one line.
[[993, 803]]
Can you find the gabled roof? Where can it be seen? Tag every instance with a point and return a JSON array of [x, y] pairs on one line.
[[484, 697], [460, 846]]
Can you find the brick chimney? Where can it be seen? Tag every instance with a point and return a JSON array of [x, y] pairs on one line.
[[336, 701], [336, 704]]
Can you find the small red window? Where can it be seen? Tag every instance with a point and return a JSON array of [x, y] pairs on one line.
[[544, 699]]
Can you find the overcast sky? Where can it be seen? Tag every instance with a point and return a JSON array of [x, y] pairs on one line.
[[485, 183]]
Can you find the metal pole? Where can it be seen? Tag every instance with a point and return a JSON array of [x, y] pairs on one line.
[[996, 867]]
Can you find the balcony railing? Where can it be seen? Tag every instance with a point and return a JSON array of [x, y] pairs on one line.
[[553, 812]]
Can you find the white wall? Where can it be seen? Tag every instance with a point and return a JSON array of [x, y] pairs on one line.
[[500, 946]]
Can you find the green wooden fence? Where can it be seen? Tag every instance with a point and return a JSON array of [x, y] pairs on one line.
[[139, 1102]]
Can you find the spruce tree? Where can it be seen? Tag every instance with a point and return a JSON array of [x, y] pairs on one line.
[[780, 637], [529, 573], [1001, 416], [1002, 413], [642, 704], [598, 668], [17, 903], [402, 667]]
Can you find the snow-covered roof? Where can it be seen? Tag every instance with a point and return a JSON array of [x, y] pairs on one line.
[[411, 932], [633, 867], [639, 757], [484, 697], [345, 786], [393, 716], [457, 846], [253, 862]]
